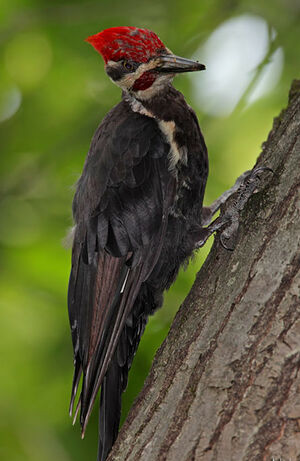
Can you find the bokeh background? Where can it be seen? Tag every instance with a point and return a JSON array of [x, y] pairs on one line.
[[53, 94]]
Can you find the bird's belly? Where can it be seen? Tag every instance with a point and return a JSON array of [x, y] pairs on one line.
[[176, 249]]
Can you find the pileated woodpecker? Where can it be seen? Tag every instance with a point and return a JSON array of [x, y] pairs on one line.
[[138, 216]]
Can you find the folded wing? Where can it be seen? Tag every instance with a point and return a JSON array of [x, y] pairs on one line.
[[121, 210]]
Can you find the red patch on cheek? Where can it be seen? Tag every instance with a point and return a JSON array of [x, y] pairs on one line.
[[144, 81]]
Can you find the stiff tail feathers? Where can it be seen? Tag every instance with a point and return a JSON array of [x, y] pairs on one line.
[[110, 409]]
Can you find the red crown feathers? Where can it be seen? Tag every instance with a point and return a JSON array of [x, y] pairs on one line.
[[131, 43]]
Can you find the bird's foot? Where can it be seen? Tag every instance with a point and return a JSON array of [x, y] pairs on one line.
[[232, 202], [209, 211]]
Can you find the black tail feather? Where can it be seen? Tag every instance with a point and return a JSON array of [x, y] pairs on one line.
[[115, 381], [76, 379], [110, 409]]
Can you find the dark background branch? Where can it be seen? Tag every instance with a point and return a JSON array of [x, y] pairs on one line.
[[224, 384]]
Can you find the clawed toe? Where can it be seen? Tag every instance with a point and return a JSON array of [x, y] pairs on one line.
[[232, 202], [247, 188], [225, 245]]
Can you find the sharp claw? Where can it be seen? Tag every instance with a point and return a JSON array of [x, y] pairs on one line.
[[223, 244], [261, 168]]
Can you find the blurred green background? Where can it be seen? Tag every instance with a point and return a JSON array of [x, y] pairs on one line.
[[53, 94]]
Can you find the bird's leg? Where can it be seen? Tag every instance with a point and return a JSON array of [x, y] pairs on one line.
[[228, 221]]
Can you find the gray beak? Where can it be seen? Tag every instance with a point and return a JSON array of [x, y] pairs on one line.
[[174, 64]]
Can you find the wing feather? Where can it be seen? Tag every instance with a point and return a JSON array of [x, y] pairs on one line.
[[121, 211]]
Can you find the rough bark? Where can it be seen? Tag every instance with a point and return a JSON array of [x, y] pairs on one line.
[[224, 384]]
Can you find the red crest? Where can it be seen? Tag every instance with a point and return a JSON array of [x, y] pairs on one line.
[[129, 43]]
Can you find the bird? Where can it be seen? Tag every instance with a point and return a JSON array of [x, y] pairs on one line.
[[138, 217]]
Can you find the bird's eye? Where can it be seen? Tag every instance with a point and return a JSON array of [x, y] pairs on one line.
[[128, 66]]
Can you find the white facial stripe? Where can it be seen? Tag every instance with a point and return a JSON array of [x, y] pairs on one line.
[[112, 64], [127, 82]]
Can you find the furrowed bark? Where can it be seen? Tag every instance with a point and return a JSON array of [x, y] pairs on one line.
[[224, 384]]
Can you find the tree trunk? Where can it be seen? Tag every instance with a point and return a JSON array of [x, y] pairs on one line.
[[224, 384]]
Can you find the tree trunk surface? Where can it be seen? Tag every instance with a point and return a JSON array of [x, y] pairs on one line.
[[224, 384]]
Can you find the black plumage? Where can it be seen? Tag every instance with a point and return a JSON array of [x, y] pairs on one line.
[[134, 218]]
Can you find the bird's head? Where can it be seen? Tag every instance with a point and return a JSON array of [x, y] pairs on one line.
[[138, 61]]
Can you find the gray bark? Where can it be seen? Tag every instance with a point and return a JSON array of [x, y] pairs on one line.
[[224, 384]]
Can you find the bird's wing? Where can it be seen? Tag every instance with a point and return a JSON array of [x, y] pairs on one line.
[[121, 209]]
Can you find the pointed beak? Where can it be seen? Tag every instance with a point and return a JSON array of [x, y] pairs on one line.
[[170, 63]]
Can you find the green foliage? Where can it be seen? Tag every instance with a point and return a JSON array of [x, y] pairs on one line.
[[53, 94]]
